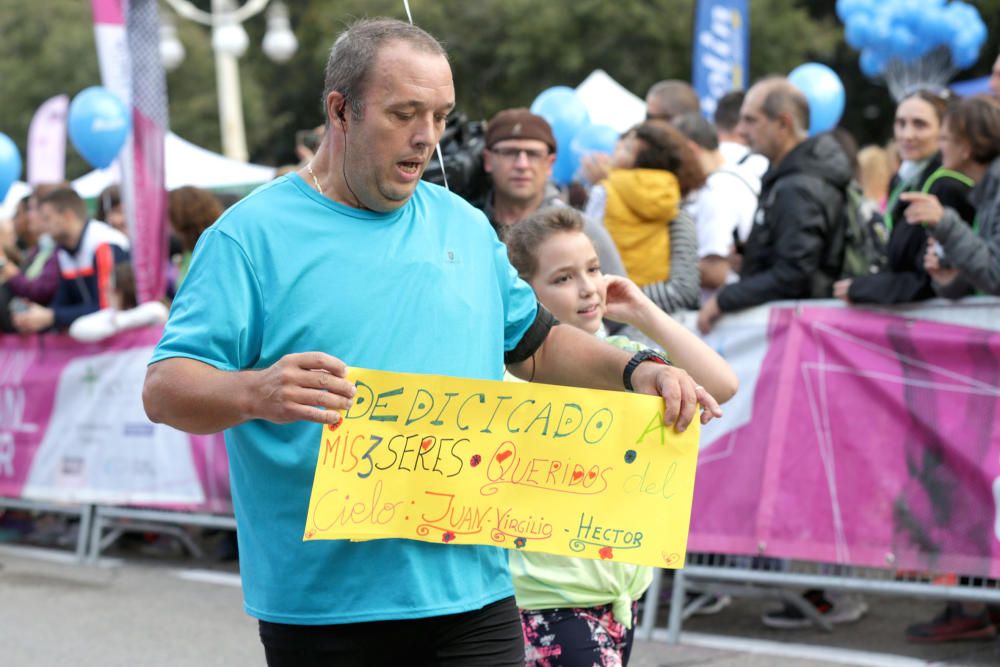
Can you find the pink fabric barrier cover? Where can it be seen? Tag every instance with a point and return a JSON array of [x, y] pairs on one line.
[[72, 429], [873, 441]]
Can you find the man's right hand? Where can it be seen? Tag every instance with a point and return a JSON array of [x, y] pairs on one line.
[[307, 386]]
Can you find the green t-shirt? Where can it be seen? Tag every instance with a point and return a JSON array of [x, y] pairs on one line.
[[546, 581]]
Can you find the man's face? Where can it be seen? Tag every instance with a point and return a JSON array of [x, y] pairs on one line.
[[655, 110], [995, 77], [61, 225], [519, 168], [760, 132], [407, 101]]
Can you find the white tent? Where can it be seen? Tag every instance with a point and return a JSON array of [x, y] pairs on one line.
[[18, 191], [609, 103], [186, 164]]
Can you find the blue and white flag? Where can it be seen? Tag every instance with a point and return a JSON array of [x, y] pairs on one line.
[[721, 50]]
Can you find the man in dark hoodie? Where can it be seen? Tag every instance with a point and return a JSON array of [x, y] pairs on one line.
[[796, 247]]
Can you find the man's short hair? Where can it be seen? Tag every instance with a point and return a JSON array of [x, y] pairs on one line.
[[727, 110], [65, 199], [781, 96], [676, 97], [697, 129], [519, 123], [353, 54]]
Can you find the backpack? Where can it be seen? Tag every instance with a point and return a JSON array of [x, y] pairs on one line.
[[865, 236]]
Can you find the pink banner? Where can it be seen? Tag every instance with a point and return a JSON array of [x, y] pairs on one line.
[[873, 441], [73, 429], [47, 142], [127, 37]]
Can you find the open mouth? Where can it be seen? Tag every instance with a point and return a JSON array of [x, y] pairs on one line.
[[410, 167], [589, 310]]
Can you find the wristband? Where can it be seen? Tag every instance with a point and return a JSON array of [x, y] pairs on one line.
[[638, 358]]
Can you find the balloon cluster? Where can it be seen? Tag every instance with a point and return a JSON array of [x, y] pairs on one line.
[[575, 135], [899, 34]]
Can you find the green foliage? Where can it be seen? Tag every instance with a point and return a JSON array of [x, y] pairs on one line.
[[35, 65]]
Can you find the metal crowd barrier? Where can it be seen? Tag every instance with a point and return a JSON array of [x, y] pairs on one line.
[[119, 520], [777, 579], [85, 512]]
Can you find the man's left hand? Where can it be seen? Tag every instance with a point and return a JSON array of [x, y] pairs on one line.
[[36, 318], [681, 396]]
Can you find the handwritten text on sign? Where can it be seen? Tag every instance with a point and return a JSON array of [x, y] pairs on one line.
[[537, 467]]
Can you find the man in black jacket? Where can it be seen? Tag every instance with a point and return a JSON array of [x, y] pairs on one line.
[[796, 247]]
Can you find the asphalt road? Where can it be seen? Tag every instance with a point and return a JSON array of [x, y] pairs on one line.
[[134, 609]]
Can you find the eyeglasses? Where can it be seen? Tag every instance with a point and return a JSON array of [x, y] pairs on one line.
[[511, 154], [659, 116]]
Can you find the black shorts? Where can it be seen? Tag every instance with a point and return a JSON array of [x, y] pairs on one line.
[[489, 636]]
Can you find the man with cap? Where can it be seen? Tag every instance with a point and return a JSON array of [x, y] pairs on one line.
[[520, 152]]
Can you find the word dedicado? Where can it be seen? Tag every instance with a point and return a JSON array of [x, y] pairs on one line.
[[522, 466]]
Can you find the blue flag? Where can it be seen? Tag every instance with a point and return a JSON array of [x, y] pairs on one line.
[[721, 50]]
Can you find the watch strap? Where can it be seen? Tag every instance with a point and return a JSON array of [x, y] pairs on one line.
[[638, 358]]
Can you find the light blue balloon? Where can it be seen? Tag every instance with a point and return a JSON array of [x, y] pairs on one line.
[[10, 164], [872, 63], [859, 30], [825, 93], [565, 112], [593, 139], [847, 8], [98, 125], [564, 168], [902, 43]]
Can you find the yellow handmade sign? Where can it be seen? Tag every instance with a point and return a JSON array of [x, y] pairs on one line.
[[577, 472]]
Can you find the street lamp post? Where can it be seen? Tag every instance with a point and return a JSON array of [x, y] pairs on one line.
[[229, 42]]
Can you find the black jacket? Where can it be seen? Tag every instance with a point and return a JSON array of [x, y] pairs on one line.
[[905, 280], [796, 247]]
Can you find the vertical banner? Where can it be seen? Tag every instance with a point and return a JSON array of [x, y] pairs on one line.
[[721, 50], [47, 142], [127, 35]]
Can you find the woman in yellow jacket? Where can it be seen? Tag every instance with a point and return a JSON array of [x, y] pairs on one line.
[[652, 170]]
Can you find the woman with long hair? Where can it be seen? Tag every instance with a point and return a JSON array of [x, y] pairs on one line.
[[917, 131]]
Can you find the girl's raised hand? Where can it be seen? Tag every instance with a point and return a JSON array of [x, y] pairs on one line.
[[625, 301]]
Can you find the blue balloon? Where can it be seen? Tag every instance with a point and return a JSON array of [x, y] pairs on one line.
[[847, 8], [902, 43], [564, 111], [872, 63], [825, 93], [98, 125], [964, 55], [10, 164], [859, 30], [593, 139]]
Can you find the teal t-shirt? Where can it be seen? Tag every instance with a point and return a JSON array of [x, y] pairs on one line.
[[424, 289]]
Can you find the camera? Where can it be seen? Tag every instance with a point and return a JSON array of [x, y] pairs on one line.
[[462, 145]]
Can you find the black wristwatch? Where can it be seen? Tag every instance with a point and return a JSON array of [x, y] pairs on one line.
[[638, 358]]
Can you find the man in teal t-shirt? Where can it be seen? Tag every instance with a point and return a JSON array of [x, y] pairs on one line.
[[354, 260]]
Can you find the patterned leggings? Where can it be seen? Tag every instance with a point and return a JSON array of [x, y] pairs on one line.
[[581, 637]]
